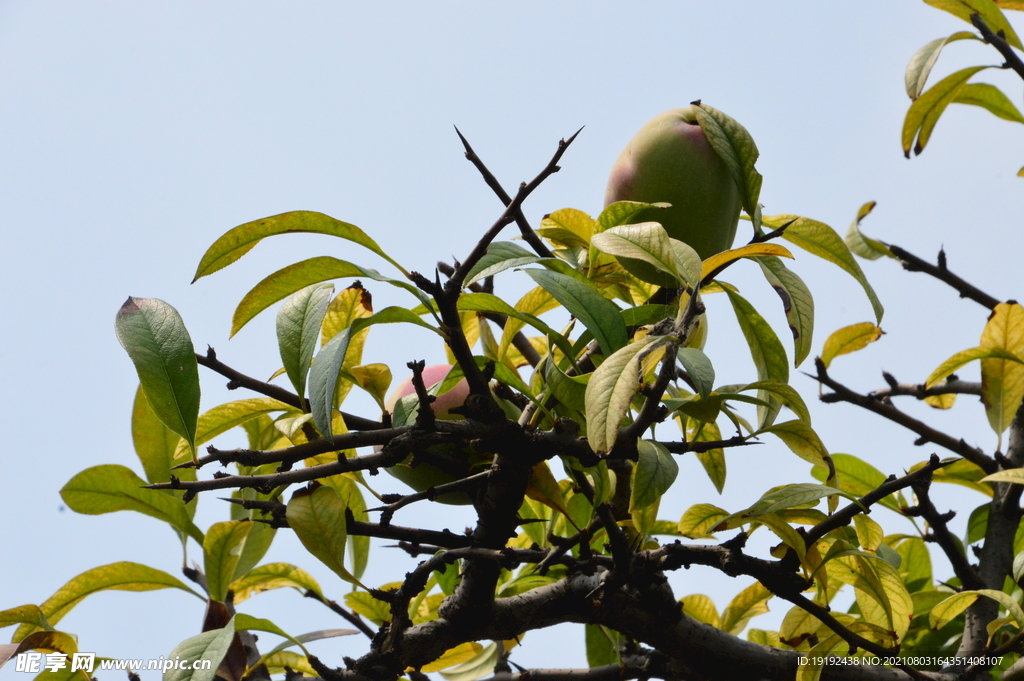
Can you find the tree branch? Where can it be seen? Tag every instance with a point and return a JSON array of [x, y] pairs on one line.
[[912, 263], [927, 434], [1013, 60], [529, 236], [455, 283], [237, 379]]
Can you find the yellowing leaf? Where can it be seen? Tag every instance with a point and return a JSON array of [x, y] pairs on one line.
[[698, 520], [751, 251], [1002, 381], [457, 655], [849, 339], [748, 603], [610, 393], [700, 608], [950, 608], [924, 113], [222, 547], [273, 576], [801, 439]]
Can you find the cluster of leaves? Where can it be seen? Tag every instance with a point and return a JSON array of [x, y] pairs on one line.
[[993, 27], [590, 396]]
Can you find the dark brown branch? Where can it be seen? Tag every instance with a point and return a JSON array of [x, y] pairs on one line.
[[289, 455], [1013, 60], [700, 447], [941, 535], [843, 516], [431, 493], [443, 538], [237, 379], [529, 236], [455, 283], [519, 340], [840, 393], [953, 386], [912, 263]]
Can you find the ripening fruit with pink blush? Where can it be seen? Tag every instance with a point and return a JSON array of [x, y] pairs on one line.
[[453, 462], [432, 375], [670, 160]]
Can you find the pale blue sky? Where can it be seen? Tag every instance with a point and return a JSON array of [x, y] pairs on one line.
[[134, 134]]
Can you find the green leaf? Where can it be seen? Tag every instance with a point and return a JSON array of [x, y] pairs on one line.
[[989, 12], [701, 608], [273, 576], [797, 303], [210, 645], [989, 97], [298, 331], [699, 369], [621, 212], [155, 443], [109, 488], [610, 393], [785, 393], [856, 477], [861, 245], [646, 241], [123, 576], [352, 498], [152, 333], [597, 313], [801, 439], [602, 645], [819, 239], [653, 474], [789, 496], [569, 390], [500, 256], [460, 654], [924, 113], [318, 517], [475, 668], [736, 148], [240, 240], [765, 349], [222, 548], [849, 339], [323, 376], [924, 59]]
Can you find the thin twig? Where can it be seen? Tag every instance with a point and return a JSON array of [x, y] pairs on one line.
[[1013, 60], [943, 537], [529, 236], [237, 379], [913, 263], [508, 215], [354, 619], [840, 393]]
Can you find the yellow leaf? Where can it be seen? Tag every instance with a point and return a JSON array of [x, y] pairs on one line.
[[849, 339], [457, 655], [753, 250], [700, 608], [747, 603], [545, 489], [1002, 381]]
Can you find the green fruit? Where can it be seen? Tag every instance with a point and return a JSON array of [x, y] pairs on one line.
[[669, 160]]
